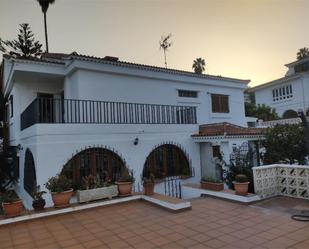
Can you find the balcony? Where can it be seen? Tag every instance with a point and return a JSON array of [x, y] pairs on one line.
[[282, 180], [71, 111]]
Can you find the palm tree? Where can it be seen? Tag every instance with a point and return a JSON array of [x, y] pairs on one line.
[[44, 5], [302, 53], [199, 65]]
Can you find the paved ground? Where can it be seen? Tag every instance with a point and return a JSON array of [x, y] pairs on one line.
[[211, 223], [284, 204]]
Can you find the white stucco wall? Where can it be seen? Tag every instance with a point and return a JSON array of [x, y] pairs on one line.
[[300, 98], [123, 88], [52, 148], [53, 145], [25, 90]]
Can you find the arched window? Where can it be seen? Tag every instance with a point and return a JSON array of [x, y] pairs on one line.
[[166, 160], [102, 163], [290, 114], [29, 173]]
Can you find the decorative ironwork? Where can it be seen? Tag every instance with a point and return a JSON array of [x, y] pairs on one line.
[[285, 180], [172, 186], [167, 160], [49, 110], [29, 173], [103, 163]]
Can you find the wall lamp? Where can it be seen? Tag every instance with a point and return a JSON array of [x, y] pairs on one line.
[[136, 141]]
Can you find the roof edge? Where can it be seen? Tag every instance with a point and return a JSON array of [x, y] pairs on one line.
[[277, 81], [296, 62], [154, 68]]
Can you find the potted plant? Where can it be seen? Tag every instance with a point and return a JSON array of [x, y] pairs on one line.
[[149, 184], [12, 206], [61, 190], [211, 183], [93, 189], [241, 184], [125, 183], [38, 202]]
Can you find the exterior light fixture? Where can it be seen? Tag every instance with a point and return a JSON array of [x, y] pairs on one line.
[[136, 141]]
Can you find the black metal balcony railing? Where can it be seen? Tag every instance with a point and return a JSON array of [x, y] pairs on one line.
[[48, 110]]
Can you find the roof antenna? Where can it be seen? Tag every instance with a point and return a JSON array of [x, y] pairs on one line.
[[165, 44]]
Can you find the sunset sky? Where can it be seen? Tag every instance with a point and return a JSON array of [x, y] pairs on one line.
[[247, 39]]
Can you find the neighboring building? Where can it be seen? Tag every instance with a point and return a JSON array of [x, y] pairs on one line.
[[81, 115], [249, 96], [288, 94]]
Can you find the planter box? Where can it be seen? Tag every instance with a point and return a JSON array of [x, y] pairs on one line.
[[96, 194], [212, 186]]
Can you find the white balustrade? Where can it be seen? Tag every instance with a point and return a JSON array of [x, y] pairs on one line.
[[281, 179], [272, 123]]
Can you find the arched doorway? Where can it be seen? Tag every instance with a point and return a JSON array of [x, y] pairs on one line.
[[167, 160], [290, 114], [102, 163], [29, 173]]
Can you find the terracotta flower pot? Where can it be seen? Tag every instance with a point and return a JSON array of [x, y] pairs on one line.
[[241, 188], [149, 188], [124, 188], [212, 186], [12, 209], [38, 204], [62, 199]]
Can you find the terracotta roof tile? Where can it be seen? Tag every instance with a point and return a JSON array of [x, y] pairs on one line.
[[155, 68], [226, 129], [60, 57]]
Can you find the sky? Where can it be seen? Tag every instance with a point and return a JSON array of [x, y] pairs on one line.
[[246, 39]]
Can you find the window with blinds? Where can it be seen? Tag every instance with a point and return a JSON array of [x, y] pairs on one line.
[[282, 93], [187, 94], [220, 103]]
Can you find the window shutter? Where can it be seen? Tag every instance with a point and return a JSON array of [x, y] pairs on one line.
[[220, 103], [215, 102], [225, 104]]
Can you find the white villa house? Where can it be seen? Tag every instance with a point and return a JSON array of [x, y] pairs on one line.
[[288, 94], [81, 115]]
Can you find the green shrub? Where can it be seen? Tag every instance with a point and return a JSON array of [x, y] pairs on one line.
[[241, 178], [9, 197], [210, 179], [126, 176], [150, 179], [58, 183], [285, 144]]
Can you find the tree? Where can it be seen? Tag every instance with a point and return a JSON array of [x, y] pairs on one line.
[[199, 65], [263, 112], [24, 46], [302, 53], [44, 6], [285, 144]]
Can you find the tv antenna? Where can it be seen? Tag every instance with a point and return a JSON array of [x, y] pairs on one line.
[[165, 44]]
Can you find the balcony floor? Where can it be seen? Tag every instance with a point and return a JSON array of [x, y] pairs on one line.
[[211, 223]]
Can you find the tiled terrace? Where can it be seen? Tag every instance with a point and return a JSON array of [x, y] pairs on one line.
[[211, 223]]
